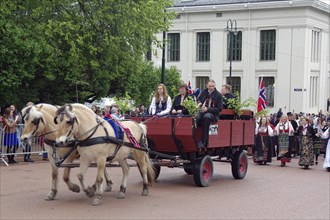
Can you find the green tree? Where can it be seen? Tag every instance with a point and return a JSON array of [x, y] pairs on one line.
[[143, 83], [51, 48]]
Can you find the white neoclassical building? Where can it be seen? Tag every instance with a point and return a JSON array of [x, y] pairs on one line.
[[285, 42]]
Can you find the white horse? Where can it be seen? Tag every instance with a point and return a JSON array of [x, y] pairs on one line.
[[96, 142], [39, 121]]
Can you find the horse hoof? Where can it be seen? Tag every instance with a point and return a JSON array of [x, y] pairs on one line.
[[75, 188], [90, 192], [51, 196], [96, 202], [120, 195], [108, 188], [145, 192]]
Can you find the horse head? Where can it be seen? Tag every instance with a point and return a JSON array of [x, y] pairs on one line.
[[67, 125], [34, 123]]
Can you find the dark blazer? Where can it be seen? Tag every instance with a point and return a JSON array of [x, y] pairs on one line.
[[225, 99], [177, 104], [310, 131], [216, 101]]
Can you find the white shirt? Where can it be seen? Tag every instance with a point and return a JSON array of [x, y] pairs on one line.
[[152, 108]]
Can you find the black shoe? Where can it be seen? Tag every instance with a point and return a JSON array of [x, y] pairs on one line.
[[14, 161], [11, 162], [201, 144], [28, 160]]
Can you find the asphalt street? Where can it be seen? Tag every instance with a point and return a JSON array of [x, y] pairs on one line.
[[267, 192]]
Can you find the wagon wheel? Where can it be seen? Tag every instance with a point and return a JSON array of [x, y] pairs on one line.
[[188, 169], [239, 165], [203, 171], [157, 171]]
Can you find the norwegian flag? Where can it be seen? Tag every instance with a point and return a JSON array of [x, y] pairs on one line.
[[262, 103], [190, 90]]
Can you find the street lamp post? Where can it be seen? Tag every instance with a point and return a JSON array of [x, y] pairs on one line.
[[231, 29], [163, 54]]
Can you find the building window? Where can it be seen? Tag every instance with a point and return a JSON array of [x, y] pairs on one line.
[[173, 47], [313, 92], [235, 84], [203, 46], [316, 45], [267, 44], [269, 89], [201, 82], [148, 55], [236, 45]]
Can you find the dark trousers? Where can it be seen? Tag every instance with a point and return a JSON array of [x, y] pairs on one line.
[[204, 120], [11, 150], [27, 151]]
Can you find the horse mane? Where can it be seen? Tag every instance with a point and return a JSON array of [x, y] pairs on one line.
[[31, 111]]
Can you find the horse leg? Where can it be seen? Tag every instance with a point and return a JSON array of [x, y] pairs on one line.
[[108, 187], [140, 159], [83, 168], [98, 183], [124, 166], [66, 175], [52, 193]]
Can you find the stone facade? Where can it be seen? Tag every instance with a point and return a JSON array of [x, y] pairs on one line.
[[296, 65]]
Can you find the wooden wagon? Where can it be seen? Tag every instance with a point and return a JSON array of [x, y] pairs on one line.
[[173, 143]]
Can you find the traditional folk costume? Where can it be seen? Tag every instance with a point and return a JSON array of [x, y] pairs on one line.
[[160, 107], [318, 143], [283, 130], [326, 163], [306, 134], [262, 151]]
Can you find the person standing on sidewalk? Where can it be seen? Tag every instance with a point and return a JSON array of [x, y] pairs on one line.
[[10, 136], [27, 145]]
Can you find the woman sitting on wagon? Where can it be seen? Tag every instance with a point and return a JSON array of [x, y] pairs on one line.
[[262, 152], [161, 103], [177, 107]]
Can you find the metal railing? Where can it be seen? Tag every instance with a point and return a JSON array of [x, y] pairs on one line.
[[10, 144]]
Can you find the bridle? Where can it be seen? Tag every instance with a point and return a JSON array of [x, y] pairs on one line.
[[71, 122], [35, 121]]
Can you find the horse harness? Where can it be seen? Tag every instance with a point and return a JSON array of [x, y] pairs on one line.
[[89, 141]]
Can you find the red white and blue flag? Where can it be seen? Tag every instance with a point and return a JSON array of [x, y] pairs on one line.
[[262, 103], [190, 90]]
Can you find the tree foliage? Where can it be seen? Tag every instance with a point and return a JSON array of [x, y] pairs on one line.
[[143, 83], [50, 49]]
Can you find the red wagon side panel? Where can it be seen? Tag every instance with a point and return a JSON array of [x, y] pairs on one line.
[[249, 132], [160, 131], [223, 137], [237, 133], [183, 130]]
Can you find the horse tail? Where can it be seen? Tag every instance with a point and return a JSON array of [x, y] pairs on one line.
[[150, 170], [150, 167]]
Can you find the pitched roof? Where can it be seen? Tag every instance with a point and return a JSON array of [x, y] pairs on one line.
[[182, 3]]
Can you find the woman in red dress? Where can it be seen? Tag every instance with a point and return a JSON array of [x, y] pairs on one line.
[[262, 152]]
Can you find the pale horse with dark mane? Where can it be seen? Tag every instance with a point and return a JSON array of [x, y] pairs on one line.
[[96, 142], [39, 121]]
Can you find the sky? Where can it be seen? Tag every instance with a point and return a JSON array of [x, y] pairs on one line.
[[326, 1]]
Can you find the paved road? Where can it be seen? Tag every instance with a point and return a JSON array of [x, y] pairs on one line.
[[267, 192]]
